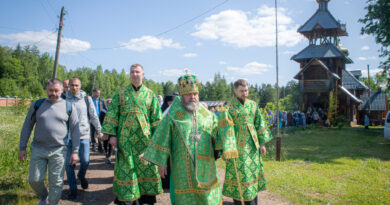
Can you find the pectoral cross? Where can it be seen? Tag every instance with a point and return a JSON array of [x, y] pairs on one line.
[[195, 136]]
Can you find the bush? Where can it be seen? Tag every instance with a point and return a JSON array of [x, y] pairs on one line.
[[340, 122]]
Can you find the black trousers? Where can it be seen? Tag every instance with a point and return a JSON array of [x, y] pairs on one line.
[[253, 202], [107, 147], [93, 139]]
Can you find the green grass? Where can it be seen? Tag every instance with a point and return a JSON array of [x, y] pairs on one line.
[[319, 165], [14, 188], [336, 166]]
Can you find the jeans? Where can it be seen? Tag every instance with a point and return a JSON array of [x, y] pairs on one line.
[[53, 161], [84, 162]]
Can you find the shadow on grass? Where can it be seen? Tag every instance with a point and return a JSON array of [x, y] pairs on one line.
[[324, 145], [12, 198]]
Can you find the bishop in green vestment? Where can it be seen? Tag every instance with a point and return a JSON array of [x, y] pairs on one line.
[[132, 118], [251, 133], [188, 135]]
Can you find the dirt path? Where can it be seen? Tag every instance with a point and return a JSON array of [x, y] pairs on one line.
[[100, 177]]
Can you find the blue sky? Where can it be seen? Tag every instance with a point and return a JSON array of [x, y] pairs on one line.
[[230, 37]]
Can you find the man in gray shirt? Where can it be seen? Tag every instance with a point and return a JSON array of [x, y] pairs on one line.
[[86, 114], [52, 117]]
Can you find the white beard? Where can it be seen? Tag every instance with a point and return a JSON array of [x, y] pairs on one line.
[[191, 106]]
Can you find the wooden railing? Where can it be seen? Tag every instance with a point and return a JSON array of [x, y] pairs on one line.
[[13, 101]]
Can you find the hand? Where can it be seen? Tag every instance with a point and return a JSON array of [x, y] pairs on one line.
[[113, 141], [22, 155], [263, 151], [74, 158], [162, 171], [103, 138]]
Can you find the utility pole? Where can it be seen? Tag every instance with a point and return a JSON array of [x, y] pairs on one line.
[[58, 43], [278, 139], [369, 89]]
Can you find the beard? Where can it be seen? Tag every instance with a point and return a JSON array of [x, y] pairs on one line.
[[191, 106], [53, 98]]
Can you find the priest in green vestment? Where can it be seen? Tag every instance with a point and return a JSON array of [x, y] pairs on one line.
[[251, 133], [188, 135], [132, 118]]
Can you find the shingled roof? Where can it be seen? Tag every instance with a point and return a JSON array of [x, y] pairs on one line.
[[352, 83], [377, 99], [316, 61], [320, 51], [323, 19]]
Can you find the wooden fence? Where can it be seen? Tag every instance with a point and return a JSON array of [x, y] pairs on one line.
[[13, 101]]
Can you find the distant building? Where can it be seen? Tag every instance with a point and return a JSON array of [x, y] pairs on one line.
[[323, 69]]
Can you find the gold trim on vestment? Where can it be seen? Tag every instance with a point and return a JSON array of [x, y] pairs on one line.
[[202, 157], [111, 120], [261, 131], [246, 184], [180, 115], [188, 169], [109, 133], [197, 191], [230, 154], [225, 122], [154, 124], [132, 111], [207, 186], [159, 147], [136, 181], [203, 112]]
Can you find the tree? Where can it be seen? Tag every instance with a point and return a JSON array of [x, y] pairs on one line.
[[377, 23]]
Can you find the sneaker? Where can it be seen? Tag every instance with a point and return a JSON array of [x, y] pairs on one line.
[[42, 202], [84, 183], [108, 161], [73, 194]]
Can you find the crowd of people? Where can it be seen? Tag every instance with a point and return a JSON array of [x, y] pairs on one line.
[[168, 142], [298, 118]]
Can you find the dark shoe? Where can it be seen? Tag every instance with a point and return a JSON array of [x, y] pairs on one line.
[[108, 161], [73, 194], [84, 183]]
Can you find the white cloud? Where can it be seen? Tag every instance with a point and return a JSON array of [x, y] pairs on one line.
[[365, 48], [199, 44], [190, 55], [289, 52], [252, 68], [222, 62], [46, 41], [373, 72], [367, 58], [372, 58], [150, 43], [362, 58], [174, 72], [241, 29]]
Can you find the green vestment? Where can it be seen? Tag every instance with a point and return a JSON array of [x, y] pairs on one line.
[[250, 131], [132, 117], [190, 139]]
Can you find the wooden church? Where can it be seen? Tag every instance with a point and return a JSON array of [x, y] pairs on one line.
[[323, 67]]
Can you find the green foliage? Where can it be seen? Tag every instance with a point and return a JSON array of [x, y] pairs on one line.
[[377, 23], [330, 166], [23, 73], [332, 111], [13, 173], [340, 121]]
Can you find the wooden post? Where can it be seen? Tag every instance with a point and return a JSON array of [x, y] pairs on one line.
[[58, 43], [278, 139]]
